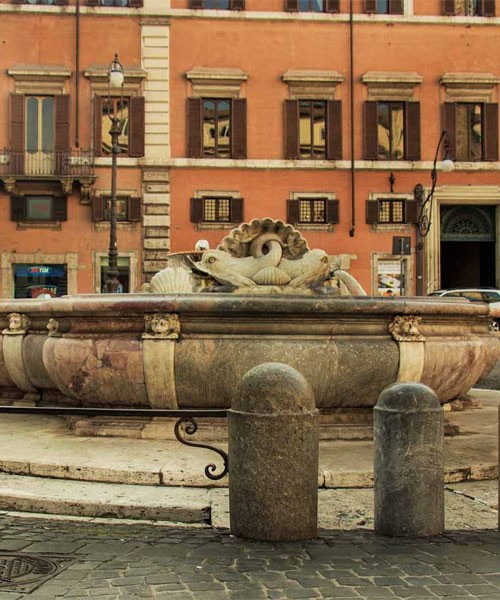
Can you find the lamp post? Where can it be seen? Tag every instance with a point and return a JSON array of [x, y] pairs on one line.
[[425, 214], [115, 80]]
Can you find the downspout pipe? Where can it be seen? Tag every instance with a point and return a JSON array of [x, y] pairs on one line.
[[77, 74], [351, 90]]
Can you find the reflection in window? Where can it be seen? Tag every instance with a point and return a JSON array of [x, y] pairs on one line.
[[469, 132], [312, 5], [312, 210], [114, 2], [312, 125], [34, 280], [468, 7], [39, 1], [217, 210], [39, 208], [216, 128], [123, 273], [220, 4], [391, 211], [121, 208], [115, 107], [39, 124], [390, 130]]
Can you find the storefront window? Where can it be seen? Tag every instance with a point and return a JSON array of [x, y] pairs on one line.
[[31, 281], [123, 277]]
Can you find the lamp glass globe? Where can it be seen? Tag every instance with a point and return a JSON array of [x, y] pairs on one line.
[[115, 78], [447, 165]]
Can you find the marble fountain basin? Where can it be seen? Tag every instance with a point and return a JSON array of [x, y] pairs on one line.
[[191, 350]]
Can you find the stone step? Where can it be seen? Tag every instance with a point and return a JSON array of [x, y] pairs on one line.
[[91, 499]]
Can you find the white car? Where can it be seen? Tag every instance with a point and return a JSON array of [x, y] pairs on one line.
[[486, 294]]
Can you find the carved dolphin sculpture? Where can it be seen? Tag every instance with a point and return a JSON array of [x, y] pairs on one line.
[[312, 267], [238, 271], [353, 287]]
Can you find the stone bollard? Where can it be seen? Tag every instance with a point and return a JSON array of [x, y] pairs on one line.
[[273, 428], [409, 473]]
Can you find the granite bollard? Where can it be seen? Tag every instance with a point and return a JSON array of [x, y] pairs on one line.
[[408, 470], [273, 451]]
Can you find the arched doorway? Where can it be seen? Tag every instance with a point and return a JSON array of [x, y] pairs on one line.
[[467, 246]]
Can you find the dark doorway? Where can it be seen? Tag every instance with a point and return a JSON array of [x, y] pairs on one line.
[[467, 264], [468, 246]]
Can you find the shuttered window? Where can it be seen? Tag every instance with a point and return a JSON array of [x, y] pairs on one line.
[[130, 112], [472, 130], [218, 4], [217, 127], [129, 3], [391, 211], [329, 6], [392, 130], [216, 209], [313, 129], [313, 211], [128, 208], [471, 8], [384, 7], [37, 209]]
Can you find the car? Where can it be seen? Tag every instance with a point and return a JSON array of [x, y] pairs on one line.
[[479, 294]]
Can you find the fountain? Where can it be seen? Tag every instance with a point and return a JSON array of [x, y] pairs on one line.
[[211, 315]]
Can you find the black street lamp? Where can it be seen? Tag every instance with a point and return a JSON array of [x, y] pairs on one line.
[[425, 214], [115, 80]]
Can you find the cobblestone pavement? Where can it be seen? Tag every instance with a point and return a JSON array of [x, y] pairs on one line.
[[123, 560]]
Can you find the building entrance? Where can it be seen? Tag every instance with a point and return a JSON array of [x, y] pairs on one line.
[[468, 246]]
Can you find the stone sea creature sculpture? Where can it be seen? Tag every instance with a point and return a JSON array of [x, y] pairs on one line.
[[351, 285]]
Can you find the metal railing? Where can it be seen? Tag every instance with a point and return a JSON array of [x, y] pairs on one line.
[[185, 425], [70, 163]]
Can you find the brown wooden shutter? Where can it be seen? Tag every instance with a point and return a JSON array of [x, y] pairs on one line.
[[238, 128], [372, 211], [370, 6], [17, 208], [332, 6], [488, 8], [237, 5], [17, 133], [135, 208], [291, 5], [136, 126], [17, 1], [98, 204], [292, 150], [490, 131], [449, 118], [196, 210], [92, 2], [412, 208], [332, 211], [396, 7], [412, 131], [194, 127], [97, 126], [371, 132], [136, 3], [237, 210], [60, 2], [448, 7], [60, 208], [195, 3], [292, 211], [334, 129]]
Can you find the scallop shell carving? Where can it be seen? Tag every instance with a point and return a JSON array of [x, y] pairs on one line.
[[271, 276], [172, 280]]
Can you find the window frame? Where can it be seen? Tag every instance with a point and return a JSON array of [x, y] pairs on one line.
[[198, 209], [100, 207], [393, 7], [233, 5], [331, 210], [19, 209], [329, 6], [375, 204]]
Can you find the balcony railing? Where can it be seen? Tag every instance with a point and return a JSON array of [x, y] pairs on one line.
[[72, 163]]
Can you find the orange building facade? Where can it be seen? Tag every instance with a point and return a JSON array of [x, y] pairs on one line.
[[322, 113]]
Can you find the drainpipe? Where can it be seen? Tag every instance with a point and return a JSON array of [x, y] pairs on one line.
[[77, 73], [351, 90]]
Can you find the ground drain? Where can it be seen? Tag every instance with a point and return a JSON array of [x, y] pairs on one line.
[[26, 572]]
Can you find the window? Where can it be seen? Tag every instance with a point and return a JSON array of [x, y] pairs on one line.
[[33, 280], [41, 2], [384, 7], [216, 127], [312, 210], [128, 208], [331, 6], [391, 211], [470, 8], [472, 130], [130, 112], [123, 273], [38, 208], [218, 4], [313, 129], [216, 209], [130, 3], [392, 130]]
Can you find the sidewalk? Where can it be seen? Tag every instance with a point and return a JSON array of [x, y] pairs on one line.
[[45, 468]]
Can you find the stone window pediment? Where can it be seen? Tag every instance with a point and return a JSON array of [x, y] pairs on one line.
[[98, 77], [49, 79], [312, 84], [209, 82], [469, 87], [391, 85]]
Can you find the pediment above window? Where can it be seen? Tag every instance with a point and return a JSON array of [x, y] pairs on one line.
[[391, 85], [98, 77], [209, 82], [469, 87], [48, 79], [312, 84]]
